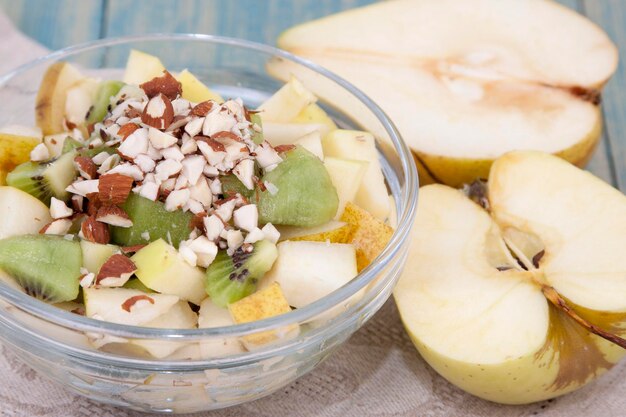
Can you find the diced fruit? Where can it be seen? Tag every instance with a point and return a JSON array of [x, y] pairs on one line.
[[47, 267], [370, 235], [257, 136], [45, 180], [333, 232], [102, 100], [95, 255], [55, 143], [313, 113], [347, 176], [126, 306], [479, 87], [52, 95], [180, 316], [286, 103], [194, 90], [162, 269], [351, 144], [70, 144], [312, 142], [151, 221], [263, 304], [305, 196], [231, 185], [308, 271], [136, 284], [21, 213], [229, 279], [14, 150], [287, 133], [142, 67], [213, 316], [79, 99]]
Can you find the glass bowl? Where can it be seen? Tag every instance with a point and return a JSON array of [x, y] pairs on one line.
[[200, 374]]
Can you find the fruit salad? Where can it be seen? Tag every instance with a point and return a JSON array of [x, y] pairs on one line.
[[153, 201]]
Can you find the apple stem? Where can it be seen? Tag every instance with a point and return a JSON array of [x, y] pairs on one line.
[[555, 298]]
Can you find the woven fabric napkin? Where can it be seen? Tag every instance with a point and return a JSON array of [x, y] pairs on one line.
[[376, 373]]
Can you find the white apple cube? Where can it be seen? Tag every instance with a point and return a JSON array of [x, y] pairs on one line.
[[308, 271], [372, 194], [214, 316], [287, 103], [347, 176], [95, 255], [180, 316], [125, 305], [312, 142], [288, 133], [161, 268], [142, 67], [21, 213]]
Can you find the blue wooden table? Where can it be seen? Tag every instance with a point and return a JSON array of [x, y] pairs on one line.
[[59, 23]]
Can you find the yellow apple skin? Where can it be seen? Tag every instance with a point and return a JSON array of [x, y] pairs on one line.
[[521, 380], [458, 171]]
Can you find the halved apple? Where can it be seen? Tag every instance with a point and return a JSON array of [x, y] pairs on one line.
[[521, 301], [52, 95], [465, 81]]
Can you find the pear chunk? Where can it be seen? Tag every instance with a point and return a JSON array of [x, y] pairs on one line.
[[465, 81], [526, 296]]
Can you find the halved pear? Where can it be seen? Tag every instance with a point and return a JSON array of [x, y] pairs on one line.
[[52, 95], [504, 332], [465, 81]]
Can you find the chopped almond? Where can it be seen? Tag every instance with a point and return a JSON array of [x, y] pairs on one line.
[[202, 109], [128, 304], [114, 216], [114, 188], [165, 84], [86, 167], [94, 231], [158, 113], [116, 271], [127, 130]]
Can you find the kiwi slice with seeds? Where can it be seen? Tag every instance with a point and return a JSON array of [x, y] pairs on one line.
[[45, 180], [231, 278], [100, 108], [47, 267]]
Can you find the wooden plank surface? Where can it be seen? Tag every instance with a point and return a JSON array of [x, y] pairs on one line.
[[57, 24], [65, 22]]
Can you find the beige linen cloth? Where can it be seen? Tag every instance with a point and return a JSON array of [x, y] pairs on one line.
[[376, 373]]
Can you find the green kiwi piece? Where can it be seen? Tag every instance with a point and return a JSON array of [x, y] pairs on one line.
[[306, 195], [231, 185], [45, 180], [71, 144], [136, 284], [231, 278], [47, 267], [151, 217], [257, 137], [100, 108]]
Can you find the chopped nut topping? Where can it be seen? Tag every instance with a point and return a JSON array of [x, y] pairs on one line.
[[116, 271], [202, 109], [59, 210], [40, 153], [127, 129], [86, 167], [56, 227], [114, 216], [114, 188], [165, 84], [130, 303], [94, 231], [158, 113]]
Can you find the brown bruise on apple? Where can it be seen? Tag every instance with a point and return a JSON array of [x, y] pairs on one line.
[[579, 357]]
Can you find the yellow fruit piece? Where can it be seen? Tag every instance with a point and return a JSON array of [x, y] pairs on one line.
[[314, 114], [268, 302], [370, 234], [14, 150], [194, 90], [333, 232], [142, 67]]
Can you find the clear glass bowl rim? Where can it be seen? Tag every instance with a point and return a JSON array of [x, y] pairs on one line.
[[405, 218]]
